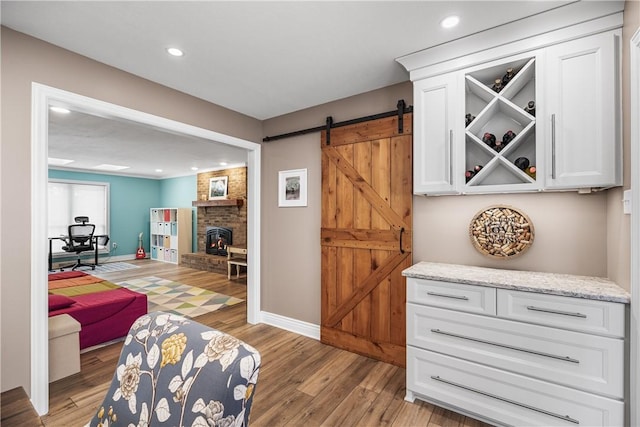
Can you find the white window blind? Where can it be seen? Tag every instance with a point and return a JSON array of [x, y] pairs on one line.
[[69, 199]]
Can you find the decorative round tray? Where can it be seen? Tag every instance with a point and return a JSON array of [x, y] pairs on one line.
[[501, 232]]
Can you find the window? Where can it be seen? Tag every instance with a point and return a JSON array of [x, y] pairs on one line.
[[68, 199]]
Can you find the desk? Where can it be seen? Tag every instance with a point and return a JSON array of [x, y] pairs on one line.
[[64, 238]]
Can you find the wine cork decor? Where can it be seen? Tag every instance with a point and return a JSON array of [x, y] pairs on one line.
[[501, 232]]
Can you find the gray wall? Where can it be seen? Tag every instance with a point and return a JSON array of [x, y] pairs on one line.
[[291, 236], [619, 225]]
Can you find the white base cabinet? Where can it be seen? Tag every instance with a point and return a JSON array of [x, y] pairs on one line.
[[171, 233], [515, 358]]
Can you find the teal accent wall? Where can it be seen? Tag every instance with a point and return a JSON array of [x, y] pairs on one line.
[[130, 202], [179, 193]]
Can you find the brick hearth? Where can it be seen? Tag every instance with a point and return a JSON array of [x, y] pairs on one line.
[[206, 262]]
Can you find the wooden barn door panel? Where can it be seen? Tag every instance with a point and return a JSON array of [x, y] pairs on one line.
[[366, 237]]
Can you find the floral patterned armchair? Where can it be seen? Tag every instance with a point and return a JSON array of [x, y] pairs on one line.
[[176, 372]]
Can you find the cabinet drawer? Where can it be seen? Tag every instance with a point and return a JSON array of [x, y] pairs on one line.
[[504, 397], [588, 362], [456, 296], [579, 314]]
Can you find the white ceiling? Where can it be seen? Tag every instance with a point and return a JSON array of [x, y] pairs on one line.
[[91, 141], [261, 58]]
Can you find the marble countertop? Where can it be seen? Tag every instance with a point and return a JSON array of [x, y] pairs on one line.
[[596, 288]]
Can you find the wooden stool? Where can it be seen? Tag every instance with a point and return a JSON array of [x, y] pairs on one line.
[[240, 261]]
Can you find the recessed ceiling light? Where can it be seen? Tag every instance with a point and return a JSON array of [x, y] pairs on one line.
[[58, 162], [194, 168], [223, 163], [449, 21], [158, 170], [107, 167], [174, 51], [60, 110]]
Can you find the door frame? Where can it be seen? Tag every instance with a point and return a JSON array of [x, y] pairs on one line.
[[41, 97], [634, 62]]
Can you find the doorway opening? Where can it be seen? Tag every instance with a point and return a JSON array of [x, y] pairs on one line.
[[44, 96]]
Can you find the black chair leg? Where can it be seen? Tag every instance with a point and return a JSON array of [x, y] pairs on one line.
[[77, 264]]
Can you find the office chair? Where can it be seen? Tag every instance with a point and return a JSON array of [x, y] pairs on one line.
[[79, 239]]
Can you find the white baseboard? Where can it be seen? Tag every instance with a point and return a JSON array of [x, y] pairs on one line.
[[125, 257], [292, 325]]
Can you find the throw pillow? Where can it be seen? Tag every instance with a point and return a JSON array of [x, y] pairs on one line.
[[58, 302]]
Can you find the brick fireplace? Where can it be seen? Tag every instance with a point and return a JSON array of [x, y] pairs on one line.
[[230, 213]]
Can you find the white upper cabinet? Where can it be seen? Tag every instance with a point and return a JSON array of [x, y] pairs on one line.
[[472, 137], [436, 101], [583, 110]]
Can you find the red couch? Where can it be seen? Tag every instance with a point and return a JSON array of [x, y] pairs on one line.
[[103, 316]]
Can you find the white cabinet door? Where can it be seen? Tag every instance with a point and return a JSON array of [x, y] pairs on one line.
[[583, 111], [436, 124]]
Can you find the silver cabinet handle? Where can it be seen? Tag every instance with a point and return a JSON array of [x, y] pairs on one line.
[[548, 310], [553, 146], [451, 156], [435, 294], [510, 347], [513, 402]]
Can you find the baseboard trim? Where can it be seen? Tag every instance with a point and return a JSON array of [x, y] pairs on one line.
[[292, 325]]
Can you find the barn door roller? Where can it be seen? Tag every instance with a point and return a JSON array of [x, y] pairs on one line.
[[401, 110]]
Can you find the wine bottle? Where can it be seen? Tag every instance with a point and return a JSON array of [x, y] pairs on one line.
[[531, 171], [531, 108], [497, 85], [477, 168], [508, 137], [498, 146], [522, 163], [468, 175], [468, 118], [507, 77], [489, 139]]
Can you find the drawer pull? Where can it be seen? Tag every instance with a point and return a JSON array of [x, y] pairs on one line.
[[564, 313], [435, 294], [524, 350], [513, 402]]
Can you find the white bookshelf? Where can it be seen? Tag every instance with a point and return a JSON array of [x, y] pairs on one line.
[[171, 233]]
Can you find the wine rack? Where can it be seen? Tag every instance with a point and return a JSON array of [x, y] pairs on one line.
[[497, 112]]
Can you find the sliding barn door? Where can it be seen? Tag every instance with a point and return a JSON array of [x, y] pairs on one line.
[[366, 237]]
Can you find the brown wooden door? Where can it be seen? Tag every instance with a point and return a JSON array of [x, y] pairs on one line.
[[366, 237]]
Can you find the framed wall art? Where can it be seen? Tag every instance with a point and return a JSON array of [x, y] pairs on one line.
[[292, 188], [218, 187]]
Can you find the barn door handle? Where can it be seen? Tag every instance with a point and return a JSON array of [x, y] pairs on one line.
[[401, 249]]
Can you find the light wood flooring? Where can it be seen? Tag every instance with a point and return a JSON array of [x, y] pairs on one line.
[[302, 382]]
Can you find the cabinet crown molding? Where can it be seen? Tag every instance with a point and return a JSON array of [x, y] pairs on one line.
[[574, 20]]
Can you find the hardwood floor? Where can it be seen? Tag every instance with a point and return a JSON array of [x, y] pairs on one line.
[[301, 382]]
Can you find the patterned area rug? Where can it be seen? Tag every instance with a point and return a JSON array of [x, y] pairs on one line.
[[102, 268], [178, 298], [111, 266]]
